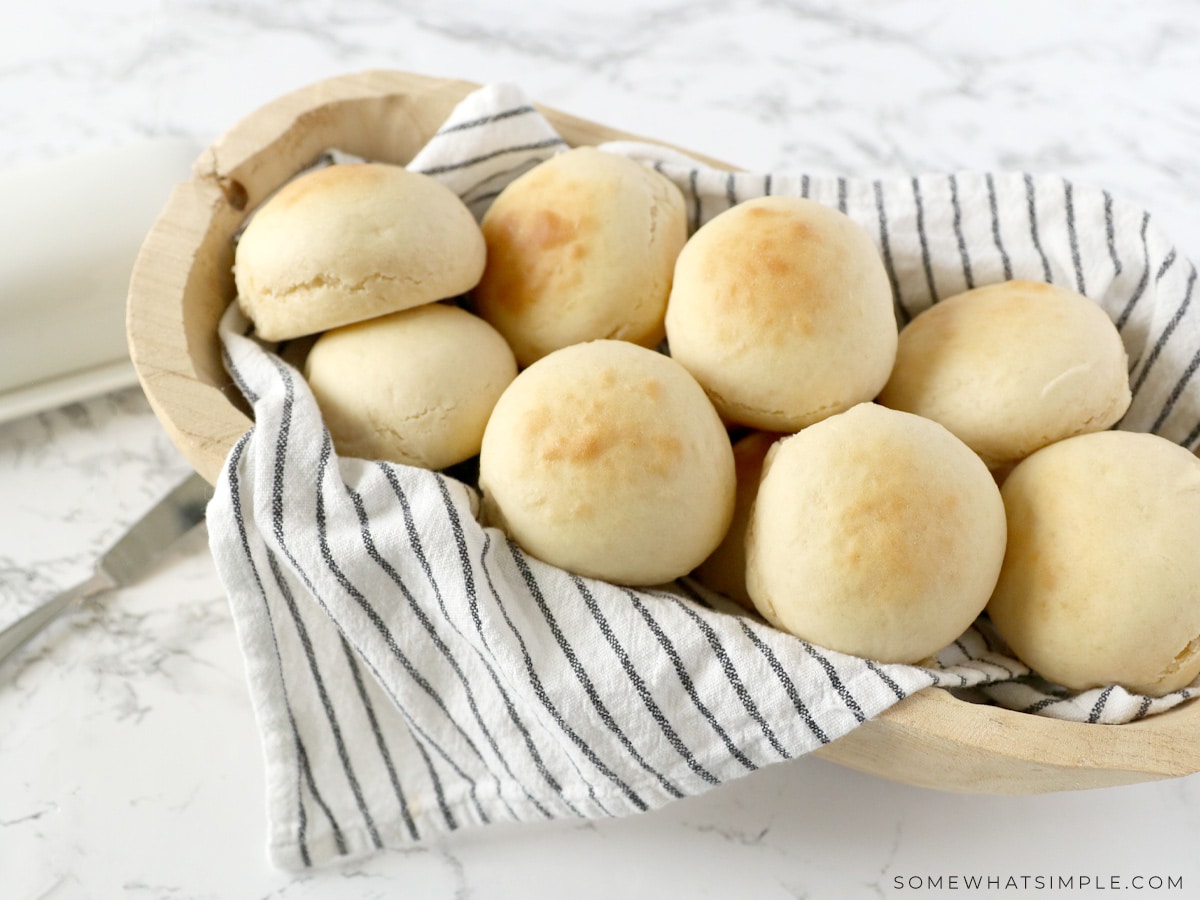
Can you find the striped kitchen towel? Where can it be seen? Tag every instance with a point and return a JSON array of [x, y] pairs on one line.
[[414, 672]]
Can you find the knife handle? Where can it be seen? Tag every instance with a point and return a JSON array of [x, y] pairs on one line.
[[21, 631]]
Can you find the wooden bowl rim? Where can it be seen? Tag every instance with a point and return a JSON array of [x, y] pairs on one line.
[[997, 749]]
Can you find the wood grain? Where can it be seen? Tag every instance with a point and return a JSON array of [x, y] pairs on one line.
[[182, 283]]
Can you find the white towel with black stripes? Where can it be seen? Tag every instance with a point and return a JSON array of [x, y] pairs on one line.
[[414, 672]]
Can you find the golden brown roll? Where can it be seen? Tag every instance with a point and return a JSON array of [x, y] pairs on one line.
[[1012, 367], [345, 243], [876, 533], [781, 308], [581, 247], [725, 568], [413, 387], [1101, 580], [606, 459]]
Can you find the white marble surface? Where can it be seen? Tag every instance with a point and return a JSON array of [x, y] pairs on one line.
[[129, 758]]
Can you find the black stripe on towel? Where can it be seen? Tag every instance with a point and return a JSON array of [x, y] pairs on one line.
[[593, 694], [836, 681], [281, 442], [1098, 709], [993, 661], [963, 255], [1166, 333], [535, 592], [485, 157], [380, 741], [239, 382], [789, 686], [503, 177], [1168, 261], [414, 540], [639, 684], [926, 261], [486, 120], [1073, 236], [338, 837], [1176, 392], [886, 679], [731, 674], [885, 249], [374, 618], [1143, 708], [1031, 205], [1110, 230], [439, 792], [1143, 282], [303, 772], [540, 691], [995, 210], [1042, 704], [1192, 437], [685, 680], [473, 604], [277, 527]]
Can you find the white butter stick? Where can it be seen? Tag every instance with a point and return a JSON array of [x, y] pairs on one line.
[[71, 230]]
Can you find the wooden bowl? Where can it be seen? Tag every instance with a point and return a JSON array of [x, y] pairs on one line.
[[182, 283]]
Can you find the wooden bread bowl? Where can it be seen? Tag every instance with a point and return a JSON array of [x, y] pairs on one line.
[[182, 284]]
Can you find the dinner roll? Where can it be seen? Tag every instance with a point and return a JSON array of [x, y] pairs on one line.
[[781, 308], [581, 247], [1101, 581], [876, 533], [606, 459], [1012, 367], [725, 568], [414, 387], [345, 243]]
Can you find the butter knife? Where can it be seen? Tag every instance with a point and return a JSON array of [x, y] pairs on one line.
[[125, 562]]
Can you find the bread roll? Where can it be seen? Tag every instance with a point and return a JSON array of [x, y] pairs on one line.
[[781, 308], [1012, 367], [345, 243], [581, 247], [876, 533], [414, 387], [725, 568], [1101, 581], [606, 459]]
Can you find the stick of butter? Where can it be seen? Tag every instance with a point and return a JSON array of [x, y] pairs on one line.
[[71, 229]]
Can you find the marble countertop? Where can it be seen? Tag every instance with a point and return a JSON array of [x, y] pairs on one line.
[[129, 755]]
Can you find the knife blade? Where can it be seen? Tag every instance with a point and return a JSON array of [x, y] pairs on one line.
[[125, 562]]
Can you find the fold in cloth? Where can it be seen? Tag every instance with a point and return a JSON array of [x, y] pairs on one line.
[[413, 672]]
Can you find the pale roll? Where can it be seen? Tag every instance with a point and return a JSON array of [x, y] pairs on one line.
[[876, 533], [581, 247], [1101, 581], [606, 459], [781, 308], [414, 387], [345, 243], [1012, 367]]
